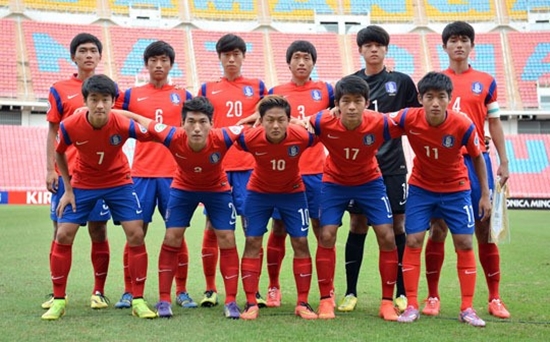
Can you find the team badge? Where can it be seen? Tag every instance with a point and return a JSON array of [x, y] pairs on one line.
[[175, 98], [316, 95], [235, 129], [197, 169], [391, 88], [393, 115], [142, 129], [115, 139], [448, 141], [293, 150], [160, 127], [476, 140], [248, 91], [215, 158], [49, 107], [477, 88], [368, 139]]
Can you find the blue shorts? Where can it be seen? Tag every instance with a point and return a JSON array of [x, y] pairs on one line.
[[292, 207], [122, 200], [182, 205], [152, 192], [313, 194], [370, 197], [474, 181], [453, 207], [238, 181], [99, 213]]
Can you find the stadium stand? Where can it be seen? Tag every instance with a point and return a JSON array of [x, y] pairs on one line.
[[404, 55], [447, 11], [75, 6], [301, 10], [238, 10], [8, 59], [518, 9], [487, 56], [48, 52], [381, 11], [329, 64], [207, 64], [23, 170], [128, 45], [168, 8], [530, 55]]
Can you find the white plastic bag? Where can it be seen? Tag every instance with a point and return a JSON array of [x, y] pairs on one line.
[[500, 229]]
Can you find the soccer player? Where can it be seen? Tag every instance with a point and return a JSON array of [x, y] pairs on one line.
[[389, 91], [476, 95], [234, 97], [351, 173], [439, 187], [64, 98], [276, 184], [162, 102], [101, 171], [306, 97], [198, 150]]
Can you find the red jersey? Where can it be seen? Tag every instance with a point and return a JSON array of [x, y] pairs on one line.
[[232, 101], [197, 171], [100, 162], [306, 100], [276, 169], [438, 164], [474, 93], [162, 105], [352, 153]]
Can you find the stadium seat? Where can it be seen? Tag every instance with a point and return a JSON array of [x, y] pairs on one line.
[[78, 6], [381, 11], [128, 47], [238, 10], [168, 8], [301, 10], [530, 57], [487, 56], [471, 11], [8, 59], [517, 9]]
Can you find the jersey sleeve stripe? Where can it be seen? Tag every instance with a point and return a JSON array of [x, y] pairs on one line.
[[311, 139], [203, 90], [402, 120], [58, 102], [262, 89], [491, 92], [242, 142], [132, 129], [168, 140], [270, 92], [65, 134], [468, 134], [317, 125], [227, 139], [330, 95], [126, 103]]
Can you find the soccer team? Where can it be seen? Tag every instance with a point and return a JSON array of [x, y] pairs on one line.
[[278, 170]]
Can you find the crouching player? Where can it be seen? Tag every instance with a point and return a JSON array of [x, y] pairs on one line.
[[439, 187], [276, 183], [198, 150], [101, 172]]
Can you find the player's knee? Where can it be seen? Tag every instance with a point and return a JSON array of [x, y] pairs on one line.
[[482, 231], [173, 238], [300, 247], [252, 247], [97, 231], [415, 240], [438, 230], [278, 227], [358, 224], [462, 241], [226, 238]]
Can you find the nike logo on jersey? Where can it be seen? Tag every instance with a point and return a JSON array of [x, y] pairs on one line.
[[139, 211], [214, 92], [103, 213], [414, 133], [260, 153], [139, 99], [180, 156], [333, 136], [304, 229], [72, 96], [78, 143]]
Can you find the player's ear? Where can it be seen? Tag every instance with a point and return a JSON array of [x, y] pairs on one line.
[[367, 104], [420, 99]]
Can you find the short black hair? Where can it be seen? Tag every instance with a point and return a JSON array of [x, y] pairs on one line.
[[273, 101], [198, 104], [230, 42], [99, 84], [351, 85], [84, 38], [435, 81], [373, 34], [458, 28], [159, 48], [301, 46]]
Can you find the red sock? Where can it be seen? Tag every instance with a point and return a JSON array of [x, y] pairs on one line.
[[325, 263], [250, 270], [466, 267], [261, 261], [275, 255], [434, 256], [489, 258], [51, 249], [387, 265], [229, 267], [100, 261], [182, 269], [127, 277], [302, 268], [210, 258], [168, 261], [137, 264], [411, 274], [60, 265]]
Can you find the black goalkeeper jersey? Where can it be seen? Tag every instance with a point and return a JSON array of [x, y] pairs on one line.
[[390, 92]]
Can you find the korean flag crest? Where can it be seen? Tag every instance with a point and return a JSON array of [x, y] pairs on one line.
[[175, 98], [293, 150], [368, 139], [448, 141], [215, 157]]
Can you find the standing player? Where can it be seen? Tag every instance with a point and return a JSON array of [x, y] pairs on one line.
[[352, 173], [389, 91], [64, 98], [439, 187], [101, 171], [234, 97], [198, 150], [306, 97], [276, 184], [162, 102], [476, 95]]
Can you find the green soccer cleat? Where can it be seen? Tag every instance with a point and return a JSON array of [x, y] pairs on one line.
[[348, 303], [99, 301], [210, 299], [401, 303], [56, 311], [141, 310], [48, 304]]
